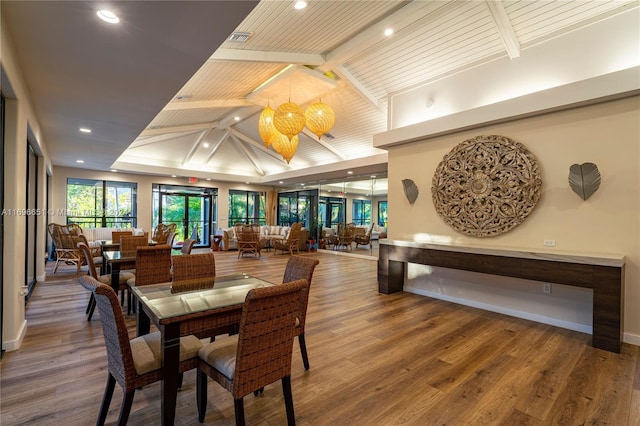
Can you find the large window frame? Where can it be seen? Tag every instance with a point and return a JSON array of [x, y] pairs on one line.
[[361, 212], [101, 203], [247, 207], [383, 213], [299, 206], [192, 209]]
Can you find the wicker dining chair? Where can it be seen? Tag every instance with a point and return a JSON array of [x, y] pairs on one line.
[[116, 235], [187, 245], [299, 267], [291, 242], [259, 354], [132, 242], [162, 231], [193, 272], [104, 279], [132, 363], [66, 241], [248, 240], [153, 265]]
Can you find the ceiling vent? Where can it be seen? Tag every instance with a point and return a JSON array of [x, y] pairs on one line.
[[239, 37], [329, 136]]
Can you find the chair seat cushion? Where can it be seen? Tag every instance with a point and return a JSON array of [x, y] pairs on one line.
[[221, 355], [147, 351], [124, 277]]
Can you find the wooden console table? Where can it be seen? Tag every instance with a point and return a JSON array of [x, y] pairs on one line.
[[602, 273]]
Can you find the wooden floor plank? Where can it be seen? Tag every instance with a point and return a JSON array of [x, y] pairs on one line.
[[375, 360]]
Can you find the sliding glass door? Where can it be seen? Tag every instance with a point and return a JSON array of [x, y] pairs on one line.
[[192, 209]]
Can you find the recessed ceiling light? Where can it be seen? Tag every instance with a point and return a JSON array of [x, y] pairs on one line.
[[114, 170], [208, 178], [388, 32], [173, 176], [205, 145], [108, 16], [236, 118], [80, 161], [300, 4], [373, 176], [349, 172], [84, 130], [281, 182]]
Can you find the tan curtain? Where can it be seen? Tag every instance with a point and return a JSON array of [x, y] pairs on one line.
[[270, 211]]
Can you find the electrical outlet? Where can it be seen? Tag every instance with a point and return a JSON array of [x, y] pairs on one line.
[[549, 243], [546, 288]]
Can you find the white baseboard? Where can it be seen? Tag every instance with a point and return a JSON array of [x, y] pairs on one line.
[[632, 339], [12, 345]]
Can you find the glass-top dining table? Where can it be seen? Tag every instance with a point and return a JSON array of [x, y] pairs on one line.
[[198, 312]]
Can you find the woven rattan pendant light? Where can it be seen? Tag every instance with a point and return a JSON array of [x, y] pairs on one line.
[[320, 118], [289, 119], [265, 126], [285, 147]]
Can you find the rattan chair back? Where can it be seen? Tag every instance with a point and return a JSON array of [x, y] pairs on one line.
[[65, 240], [132, 242], [162, 231], [299, 267], [88, 259], [120, 356], [187, 246], [193, 272], [291, 242], [264, 349], [153, 265], [116, 235]]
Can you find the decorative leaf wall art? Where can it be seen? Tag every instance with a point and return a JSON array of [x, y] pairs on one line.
[[584, 179], [410, 190]]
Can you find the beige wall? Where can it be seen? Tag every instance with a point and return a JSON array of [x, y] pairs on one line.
[[607, 134]]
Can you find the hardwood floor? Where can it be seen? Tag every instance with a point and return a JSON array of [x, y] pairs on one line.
[[375, 360]]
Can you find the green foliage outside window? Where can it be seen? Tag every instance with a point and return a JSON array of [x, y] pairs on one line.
[[246, 207], [383, 213], [97, 203], [361, 212]]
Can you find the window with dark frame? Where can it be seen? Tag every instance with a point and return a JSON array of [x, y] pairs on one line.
[[246, 207], [361, 212], [102, 204]]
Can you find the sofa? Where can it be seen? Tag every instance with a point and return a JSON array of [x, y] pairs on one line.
[[230, 239], [95, 235]]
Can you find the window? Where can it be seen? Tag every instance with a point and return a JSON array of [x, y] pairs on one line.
[[382, 213], [331, 211], [361, 212], [101, 204], [298, 206], [192, 209], [246, 207]]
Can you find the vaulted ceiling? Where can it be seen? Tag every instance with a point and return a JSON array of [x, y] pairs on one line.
[[166, 92]]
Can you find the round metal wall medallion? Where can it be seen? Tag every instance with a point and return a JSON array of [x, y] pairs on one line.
[[486, 186]]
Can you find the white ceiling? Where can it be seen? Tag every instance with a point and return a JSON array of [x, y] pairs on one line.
[[162, 83]]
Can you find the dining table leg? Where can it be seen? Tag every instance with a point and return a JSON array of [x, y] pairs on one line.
[[170, 370], [143, 323]]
